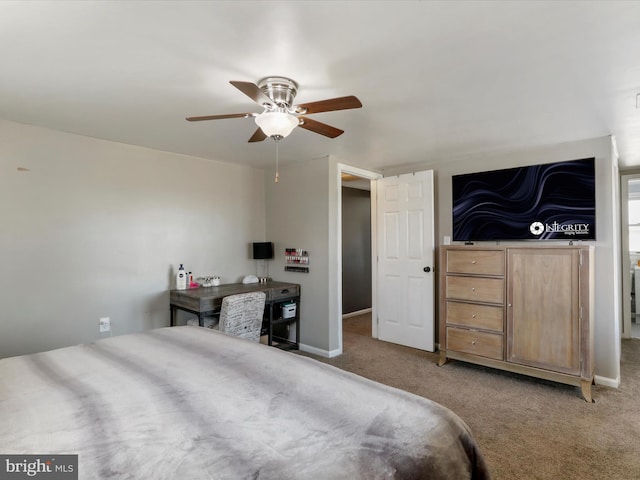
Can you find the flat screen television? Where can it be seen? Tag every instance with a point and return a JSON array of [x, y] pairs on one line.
[[551, 201]]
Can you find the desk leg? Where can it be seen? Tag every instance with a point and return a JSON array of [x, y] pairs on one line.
[[201, 319], [270, 335], [172, 316]]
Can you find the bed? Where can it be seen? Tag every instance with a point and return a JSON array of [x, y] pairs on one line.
[[192, 403]]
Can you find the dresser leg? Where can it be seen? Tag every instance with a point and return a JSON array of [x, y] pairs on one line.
[[443, 358], [585, 386]]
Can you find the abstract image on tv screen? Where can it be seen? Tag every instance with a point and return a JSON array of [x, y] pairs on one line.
[[552, 201]]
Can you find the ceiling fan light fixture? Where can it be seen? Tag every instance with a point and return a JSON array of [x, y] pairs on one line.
[[276, 123], [280, 116]]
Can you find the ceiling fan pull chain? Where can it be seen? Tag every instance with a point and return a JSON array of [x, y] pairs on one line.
[[277, 155]]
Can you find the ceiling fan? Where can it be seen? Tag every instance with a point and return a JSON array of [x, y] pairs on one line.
[[280, 115]]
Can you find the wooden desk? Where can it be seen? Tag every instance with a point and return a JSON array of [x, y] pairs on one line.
[[207, 301]]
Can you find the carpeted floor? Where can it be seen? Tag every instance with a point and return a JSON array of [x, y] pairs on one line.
[[527, 428]]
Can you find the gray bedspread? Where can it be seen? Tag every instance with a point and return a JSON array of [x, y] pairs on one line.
[[191, 403]]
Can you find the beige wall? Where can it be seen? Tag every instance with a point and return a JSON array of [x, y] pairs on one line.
[[298, 217], [97, 229]]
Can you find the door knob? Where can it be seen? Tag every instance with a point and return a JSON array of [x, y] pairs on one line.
[[426, 269]]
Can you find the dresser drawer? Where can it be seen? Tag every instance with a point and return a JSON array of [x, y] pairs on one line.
[[472, 315], [475, 289], [474, 342], [476, 262]]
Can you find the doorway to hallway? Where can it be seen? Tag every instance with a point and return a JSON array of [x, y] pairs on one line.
[[356, 245], [356, 252]]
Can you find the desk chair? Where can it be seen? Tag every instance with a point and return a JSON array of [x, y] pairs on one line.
[[241, 315]]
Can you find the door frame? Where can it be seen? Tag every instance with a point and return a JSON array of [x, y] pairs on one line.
[[372, 177], [625, 330]]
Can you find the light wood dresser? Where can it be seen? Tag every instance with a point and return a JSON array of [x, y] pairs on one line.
[[527, 310]]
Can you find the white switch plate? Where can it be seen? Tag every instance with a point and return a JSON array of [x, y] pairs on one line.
[[105, 324]]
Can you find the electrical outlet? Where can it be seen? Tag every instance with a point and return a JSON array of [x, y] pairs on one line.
[[105, 324]]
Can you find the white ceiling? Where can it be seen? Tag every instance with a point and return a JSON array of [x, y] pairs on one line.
[[438, 80]]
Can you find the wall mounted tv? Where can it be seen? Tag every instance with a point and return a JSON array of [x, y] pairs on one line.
[[552, 201]]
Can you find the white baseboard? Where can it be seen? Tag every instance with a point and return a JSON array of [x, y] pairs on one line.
[[356, 313], [607, 382], [320, 352]]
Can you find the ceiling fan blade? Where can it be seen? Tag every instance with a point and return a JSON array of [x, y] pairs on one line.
[[341, 103], [257, 136], [219, 117], [319, 127], [252, 91]]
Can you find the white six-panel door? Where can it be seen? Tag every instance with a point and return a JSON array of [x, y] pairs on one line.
[[405, 260]]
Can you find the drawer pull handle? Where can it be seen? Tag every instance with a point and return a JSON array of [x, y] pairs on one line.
[[473, 343], [286, 290], [473, 262], [473, 316], [473, 289]]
